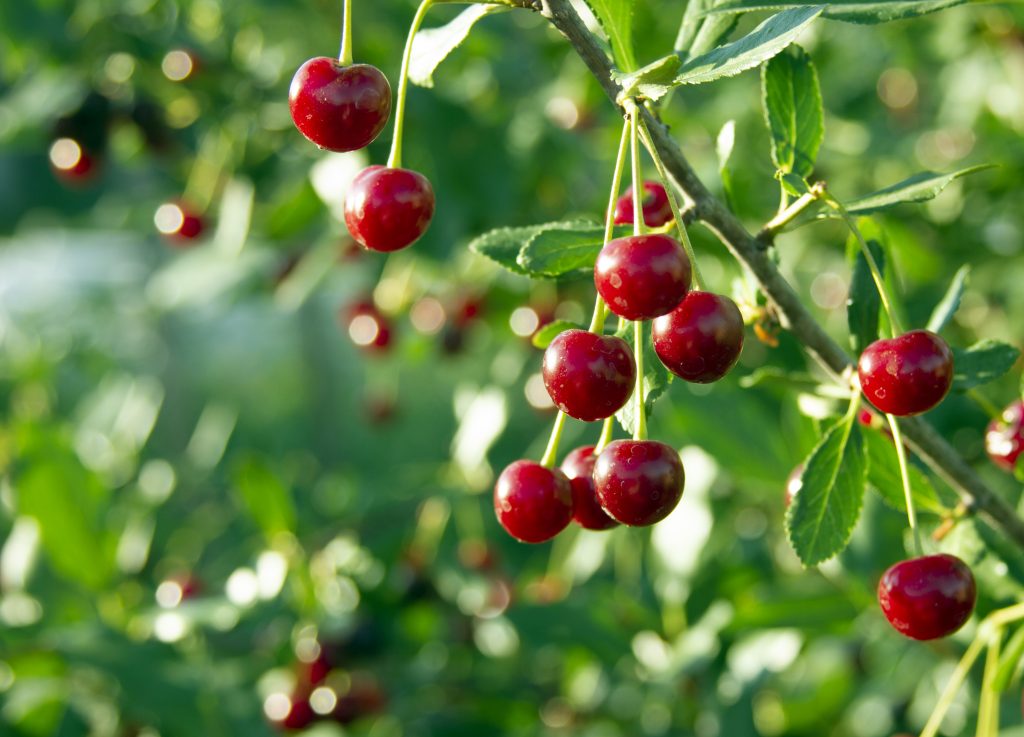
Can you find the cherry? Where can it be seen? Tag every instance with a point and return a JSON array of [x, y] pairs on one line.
[[532, 503], [638, 482], [589, 376], [701, 339], [794, 483], [300, 713], [906, 375], [1004, 439], [179, 223], [578, 467], [928, 597], [388, 209], [655, 205], [367, 327], [339, 107], [641, 277], [71, 162]]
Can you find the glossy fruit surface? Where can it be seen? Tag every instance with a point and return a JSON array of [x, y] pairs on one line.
[[589, 376], [578, 467], [928, 597], [638, 482], [655, 205], [388, 209], [339, 107], [641, 277], [180, 223], [906, 375], [701, 339], [532, 503], [1004, 439]]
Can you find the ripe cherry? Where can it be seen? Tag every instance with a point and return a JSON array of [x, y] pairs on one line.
[[71, 162], [928, 597], [701, 339], [641, 277], [906, 375], [367, 327], [388, 209], [638, 482], [532, 503], [300, 713], [589, 376], [657, 210], [339, 107], [180, 223], [1004, 439], [578, 467]]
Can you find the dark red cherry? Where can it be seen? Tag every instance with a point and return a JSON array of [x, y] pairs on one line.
[[928, 597], [655, 205], [1004, 439], [641, 277], [388, 209], [71, 162], [339, 107], [701, 339], [638, 482], [589, 376], [179, 223], [906, 375], [578, 467], [366, 326], [794, 483], [300, 713], [532, 503]]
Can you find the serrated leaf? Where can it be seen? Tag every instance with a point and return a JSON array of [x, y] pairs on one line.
[[981, 363], [793, 183], [431, 46], [561, 248], [652, 81], [919, 188], [793, 110], [950, 303], [822, 516], [761, 44], [266, 497], [863, 306], [502, 246], [543, 337], [616, 18], [656, 378], [853, 11], [884, 477]]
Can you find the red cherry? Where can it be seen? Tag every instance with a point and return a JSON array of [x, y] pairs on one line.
[[794, 483], [589, 376], [906, 375], [532, 503], [339, 107], [1004, 439], [315, 672], [388, 209], [638, 482], [300, 713], [928, 597], [367, 327], [657, 210], [641, 277], [701, 339], [179, 223], [578, 467], [71, 162]]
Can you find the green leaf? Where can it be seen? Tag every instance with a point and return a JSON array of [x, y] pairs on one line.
[[652, 81], [863, 306], [616, 18], [919, 188], [761, 44], [266, 497], [884, 477], [793, 183], [656, 378], [981, 363], [854, 11], [502, 246], [793, 109], [950, 303], [543, 337], [433, 45], [561, 248], [822, 516], [723, 148], [781, 378]]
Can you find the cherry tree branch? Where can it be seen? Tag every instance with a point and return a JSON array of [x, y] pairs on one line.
[[921, 436]]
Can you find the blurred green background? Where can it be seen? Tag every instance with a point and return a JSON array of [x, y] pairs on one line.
[[206, 483]]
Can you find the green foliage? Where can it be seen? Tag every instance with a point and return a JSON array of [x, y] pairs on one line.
[[793, 108], [864, 305], [884, 477], [616, 19], [855, 11], [983, 362], [433, 45], [655, 382], [950, 303]]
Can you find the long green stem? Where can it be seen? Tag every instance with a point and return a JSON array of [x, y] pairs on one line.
[[988, 703], [993, 412], [395, 159], [600, 312], [345, 57], [640, 432], [931, 728], [606, 435], [551, 452], [698, 278], [901, 456], [639, 225]]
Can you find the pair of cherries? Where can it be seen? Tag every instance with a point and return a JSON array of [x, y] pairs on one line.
[[344, 107], [631, 482]]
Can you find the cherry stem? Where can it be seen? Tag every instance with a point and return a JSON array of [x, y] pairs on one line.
[[345, 57], [698, 278], [639, 224], [600, 312], [901, 456], [606, 435], [876, 273], [395, 159], [988, 702], [551, 452]]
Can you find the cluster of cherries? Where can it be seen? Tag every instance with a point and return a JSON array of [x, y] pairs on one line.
[[591, 376]]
